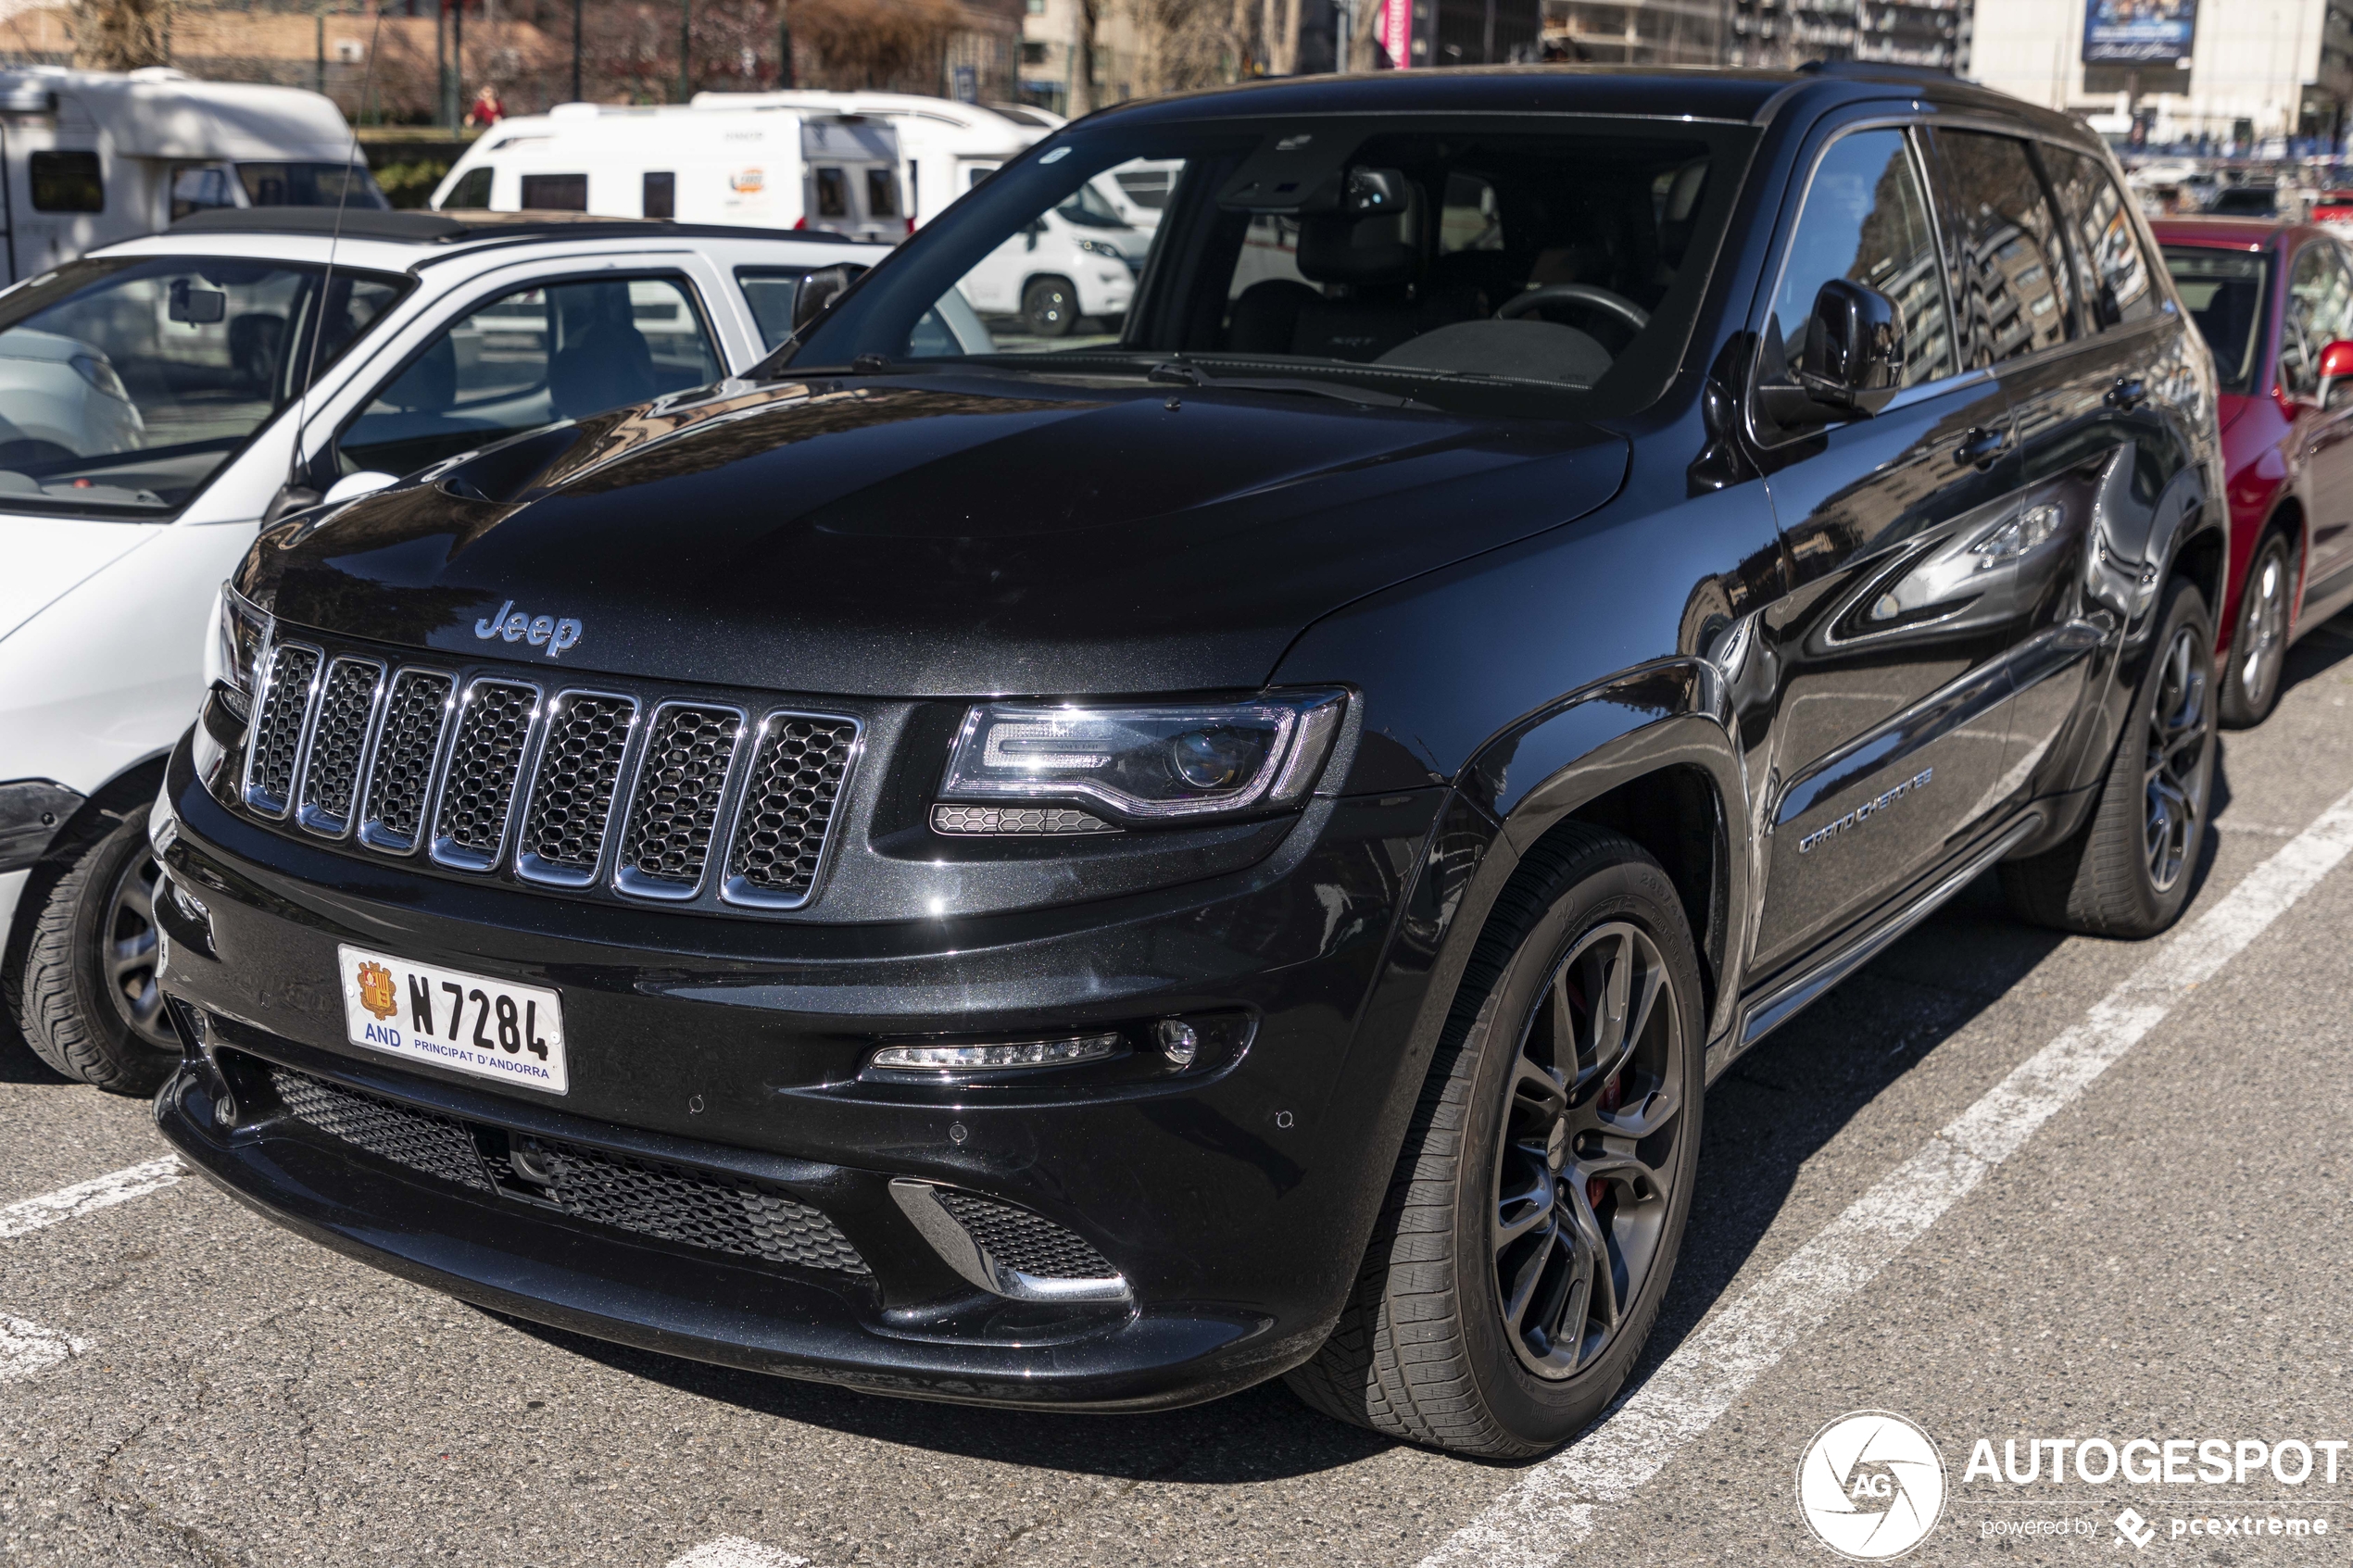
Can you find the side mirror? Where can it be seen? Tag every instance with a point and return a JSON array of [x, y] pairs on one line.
[[819, 289], [194, 306], [351, 487], [2337, 373], [1029, 235], [1854, 346]]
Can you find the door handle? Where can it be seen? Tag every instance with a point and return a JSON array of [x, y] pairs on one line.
[[2129, 393], [1981, 446]]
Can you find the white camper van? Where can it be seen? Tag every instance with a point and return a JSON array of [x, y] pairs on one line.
[[89, 157], [760, 170], [940, 140]]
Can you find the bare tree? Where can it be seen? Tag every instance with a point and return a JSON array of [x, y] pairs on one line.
[[119, 34], [1084, 17], [874, 42]]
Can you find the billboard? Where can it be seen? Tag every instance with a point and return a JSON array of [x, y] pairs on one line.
[[2132, 33]]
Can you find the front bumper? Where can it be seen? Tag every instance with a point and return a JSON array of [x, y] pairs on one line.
[[1234, 1198]]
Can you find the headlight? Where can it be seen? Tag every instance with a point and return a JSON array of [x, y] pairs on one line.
[[1102, 248], [240, 631], [1193, 760], [100, 374]]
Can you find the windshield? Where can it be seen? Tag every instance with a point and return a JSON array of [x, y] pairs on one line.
[[1553, 267], [309, 185], [125, 384], [2224, 292]]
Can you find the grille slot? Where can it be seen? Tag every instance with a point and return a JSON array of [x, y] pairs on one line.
[[478, 787], [1025, 1242], [648, 1198], [693, 1208], [676, 807], [400, 775], [781, 828], [564, 834], [276, 746], [331, 777], [418, 1139]]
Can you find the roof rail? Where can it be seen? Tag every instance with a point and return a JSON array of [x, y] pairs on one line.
[[1881, 70]]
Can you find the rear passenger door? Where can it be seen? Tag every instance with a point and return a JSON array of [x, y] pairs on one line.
[[2101, 396], [1888, 738]]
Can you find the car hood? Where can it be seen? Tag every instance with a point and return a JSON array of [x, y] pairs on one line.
[[952, 535]]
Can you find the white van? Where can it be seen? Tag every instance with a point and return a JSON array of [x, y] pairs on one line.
[[1079, 260], [835, 172], [91, 157], [940, 140]]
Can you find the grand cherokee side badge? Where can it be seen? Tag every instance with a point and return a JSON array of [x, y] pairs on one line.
[[539, 631], [1866, 812]]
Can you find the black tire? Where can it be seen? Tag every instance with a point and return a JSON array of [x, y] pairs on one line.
[[1425, 1350], [1050, 307], [2254, 668], [2127, 873], [86, 994]]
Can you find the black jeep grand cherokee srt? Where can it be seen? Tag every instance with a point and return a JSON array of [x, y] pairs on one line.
[[1097, 870]]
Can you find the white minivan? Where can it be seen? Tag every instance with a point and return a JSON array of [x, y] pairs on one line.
[[834, 173], [1077, 262], [89, 157]]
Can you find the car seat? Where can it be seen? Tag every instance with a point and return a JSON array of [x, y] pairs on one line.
[[605, 362], [1377, 265]]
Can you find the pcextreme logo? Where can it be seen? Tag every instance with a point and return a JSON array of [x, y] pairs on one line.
[[1872, 1486]]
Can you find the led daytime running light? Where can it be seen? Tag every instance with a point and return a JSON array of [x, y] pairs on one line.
[[987, 1058]]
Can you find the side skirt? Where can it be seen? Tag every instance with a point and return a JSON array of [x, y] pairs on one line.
[[1782, 999]]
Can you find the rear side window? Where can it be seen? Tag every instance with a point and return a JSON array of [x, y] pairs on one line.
[[555, 193], [2224, 292], [2319, 291], [1865, 220], [2117, 284], [660, 195], [769, 291], [67, 182], [2007, 260], [473, 189]]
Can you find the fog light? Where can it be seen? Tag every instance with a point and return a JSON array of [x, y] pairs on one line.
[[987, 1059], [1180, 1042]]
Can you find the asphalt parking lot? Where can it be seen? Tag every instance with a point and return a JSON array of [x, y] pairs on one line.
[[2008, 1185]]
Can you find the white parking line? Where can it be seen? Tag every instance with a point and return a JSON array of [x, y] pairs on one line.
[[1552, 1507], [27, 1348], [734, 1552], [98, 1192]]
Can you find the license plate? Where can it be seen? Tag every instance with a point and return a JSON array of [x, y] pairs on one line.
[[447, 1018]]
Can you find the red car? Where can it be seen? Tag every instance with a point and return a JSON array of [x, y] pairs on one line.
[[2275, 303]]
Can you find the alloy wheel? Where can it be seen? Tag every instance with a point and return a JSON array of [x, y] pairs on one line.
[[1585, 1160], [2180, 724], [2263, 640], [127, 952]]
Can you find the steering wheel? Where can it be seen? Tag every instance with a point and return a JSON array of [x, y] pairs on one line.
[[1619, 305]]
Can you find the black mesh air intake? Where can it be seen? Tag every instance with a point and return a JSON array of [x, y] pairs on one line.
[[571, 797], [418, 1139], [493, 726], [1022, 1241], [678, 790], [401, 776], [277, 727], [788, 806], [692, 1208], [345, 699]]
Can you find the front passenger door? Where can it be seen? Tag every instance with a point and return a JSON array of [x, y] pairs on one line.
[[1888, 738]]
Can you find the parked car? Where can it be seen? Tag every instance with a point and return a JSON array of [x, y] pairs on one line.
[[1097, 877], [149, 395], [2275, 303], [89, 157], [773, 169]]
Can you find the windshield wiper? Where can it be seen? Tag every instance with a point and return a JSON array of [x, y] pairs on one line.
[[1174, 372]]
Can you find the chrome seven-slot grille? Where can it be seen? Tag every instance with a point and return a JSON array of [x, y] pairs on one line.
[[566, 786]]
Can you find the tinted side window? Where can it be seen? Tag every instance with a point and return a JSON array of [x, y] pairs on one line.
[[529, 359], [1866, 221], [67, 182], [473, 189], [2007, 260], [555, 193], [658, 195], [769, 291], [2117, 284], [2318, 291]]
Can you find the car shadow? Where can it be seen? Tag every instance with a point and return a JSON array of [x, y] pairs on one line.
[[1776, 1108]]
